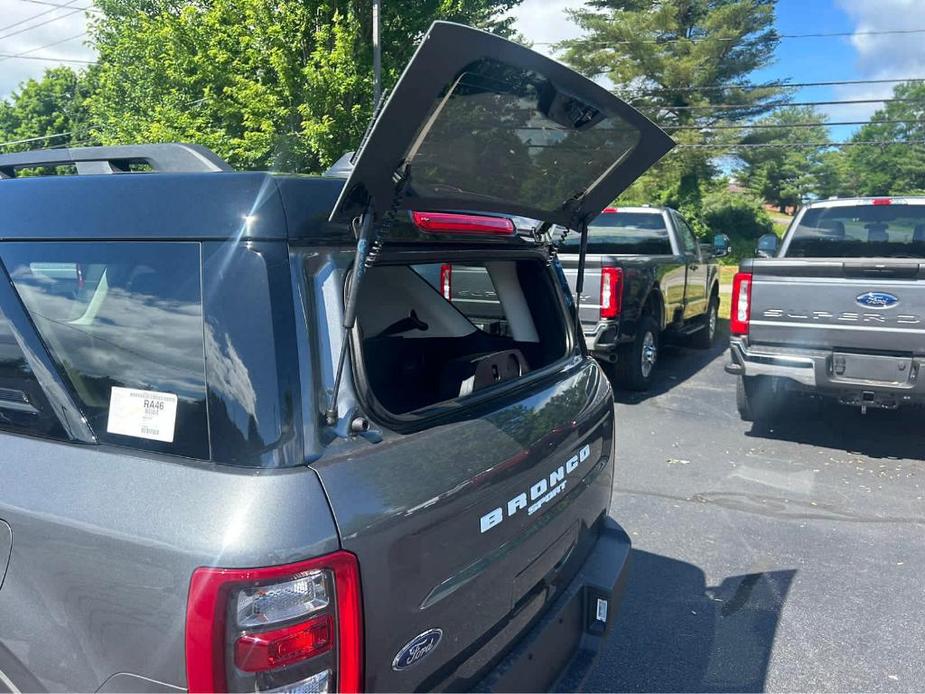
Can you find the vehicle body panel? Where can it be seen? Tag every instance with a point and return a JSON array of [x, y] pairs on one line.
[[106, 537], [459, 74], [677, 287], [848, 327]]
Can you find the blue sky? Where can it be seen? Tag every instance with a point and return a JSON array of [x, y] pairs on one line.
[[39, 30], [854, 57]]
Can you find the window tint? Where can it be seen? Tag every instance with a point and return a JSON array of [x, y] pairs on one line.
[[23, 407], [554, 145], [624, 232], [687, 238], [860, 231], [123, 322]]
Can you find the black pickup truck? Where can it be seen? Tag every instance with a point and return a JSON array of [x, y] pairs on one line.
[[646, 276]]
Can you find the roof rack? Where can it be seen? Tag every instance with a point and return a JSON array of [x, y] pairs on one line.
[[173, 157]]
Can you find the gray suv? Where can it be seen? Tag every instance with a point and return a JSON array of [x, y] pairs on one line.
[[246, 444]]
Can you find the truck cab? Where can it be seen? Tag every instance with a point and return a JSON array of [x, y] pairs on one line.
[[646, 278], [835, 311]]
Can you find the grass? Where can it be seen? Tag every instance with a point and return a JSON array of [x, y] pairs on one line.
[[725, 288]]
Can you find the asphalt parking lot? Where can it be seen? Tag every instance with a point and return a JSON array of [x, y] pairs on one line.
[[781, 560]]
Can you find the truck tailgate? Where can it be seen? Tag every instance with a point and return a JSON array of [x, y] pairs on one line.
[[871, 305]]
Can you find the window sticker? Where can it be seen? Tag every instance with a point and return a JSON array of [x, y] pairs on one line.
[[144, 414]]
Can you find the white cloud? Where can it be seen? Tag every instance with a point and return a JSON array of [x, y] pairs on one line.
[[544, 22], [886, 56], [26, 26]]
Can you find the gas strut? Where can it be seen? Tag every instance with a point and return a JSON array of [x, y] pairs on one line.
[[366, 236]]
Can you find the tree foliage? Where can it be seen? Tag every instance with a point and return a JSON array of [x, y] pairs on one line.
[[779, 169], [54, 105], [280, 84], [893, 169], [682, 62]]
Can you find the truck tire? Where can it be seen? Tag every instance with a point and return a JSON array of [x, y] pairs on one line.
[[636, 361], [757, 400], [706, 336]]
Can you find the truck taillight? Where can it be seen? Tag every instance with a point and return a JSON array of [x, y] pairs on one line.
[[741, 303], [290, 628], [611, 292], [457, 223], [446, 281]]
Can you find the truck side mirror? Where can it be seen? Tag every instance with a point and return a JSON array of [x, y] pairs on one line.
[[767, 246], [722, 246]]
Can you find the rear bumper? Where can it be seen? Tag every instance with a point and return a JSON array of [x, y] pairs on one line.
[[557, 653], [823, 371], [602, 339]]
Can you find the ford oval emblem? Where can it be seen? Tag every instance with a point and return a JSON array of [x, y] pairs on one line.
[[877, 300], [417, 649]]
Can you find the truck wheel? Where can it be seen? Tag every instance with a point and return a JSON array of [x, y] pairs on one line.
[[636, 362], [706, 336], [756, 399]]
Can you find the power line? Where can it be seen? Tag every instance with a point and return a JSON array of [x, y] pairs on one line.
[[788, 85], [708, 107], [34, 139], [26, 54], [40, 24], [55, 4], [48, 58], [36, 16], [763, 126], [818, 35], [819, 145]]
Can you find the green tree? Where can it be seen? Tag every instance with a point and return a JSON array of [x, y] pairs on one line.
[[892, 169], [283, 84], [683, 62], [54, 105], [778, 169]]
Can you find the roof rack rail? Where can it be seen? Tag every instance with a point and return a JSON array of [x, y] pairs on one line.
[[173, 157]]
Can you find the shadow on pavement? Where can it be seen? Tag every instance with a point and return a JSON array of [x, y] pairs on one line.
[[676, 634], [677, 363], [826, 424]]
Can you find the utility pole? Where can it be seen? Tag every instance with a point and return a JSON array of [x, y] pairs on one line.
[[377, 57]]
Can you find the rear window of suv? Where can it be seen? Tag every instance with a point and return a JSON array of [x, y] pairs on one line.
[[123, 321], [857, 231], [642, 233]]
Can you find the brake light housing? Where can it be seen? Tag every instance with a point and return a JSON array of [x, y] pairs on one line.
[[464, 224], [611, 292], [295, 626], [741, 303]]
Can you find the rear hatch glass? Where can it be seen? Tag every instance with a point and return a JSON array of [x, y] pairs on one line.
[[479, 123], [616, 232], [858, 231]]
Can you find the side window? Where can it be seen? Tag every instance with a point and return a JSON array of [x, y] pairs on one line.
[[123, 322], [23, 407], [687, 238]]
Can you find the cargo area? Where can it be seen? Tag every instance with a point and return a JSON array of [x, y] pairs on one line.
[[436, 332]]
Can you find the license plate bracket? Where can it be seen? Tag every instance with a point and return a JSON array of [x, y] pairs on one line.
[[872, 368]]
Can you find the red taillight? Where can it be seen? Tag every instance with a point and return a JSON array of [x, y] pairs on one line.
[[611, 292], [455, 223], [332, 626], [609, 210], [446, 281], [882, 201], [741, 303]]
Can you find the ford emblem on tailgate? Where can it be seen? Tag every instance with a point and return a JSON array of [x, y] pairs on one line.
[[877, 300], [417, 648]]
